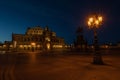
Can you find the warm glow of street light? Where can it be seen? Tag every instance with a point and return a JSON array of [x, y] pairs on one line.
[[100, 18], [91, 19], [94, 23], [33, 44], [97, 22], [89, 23]]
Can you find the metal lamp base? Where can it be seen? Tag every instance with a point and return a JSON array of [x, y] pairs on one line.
[[97, 60]]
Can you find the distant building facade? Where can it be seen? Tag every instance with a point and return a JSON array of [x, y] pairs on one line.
[[35, 38]]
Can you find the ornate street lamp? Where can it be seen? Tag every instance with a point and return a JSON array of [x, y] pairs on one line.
[[94, 23]]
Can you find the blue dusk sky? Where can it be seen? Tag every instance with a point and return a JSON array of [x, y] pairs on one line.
[[62, 17]]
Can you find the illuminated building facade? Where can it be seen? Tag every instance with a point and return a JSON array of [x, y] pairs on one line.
[[37, 38]]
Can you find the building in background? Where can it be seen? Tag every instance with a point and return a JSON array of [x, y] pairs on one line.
[[35, 38], [80, 43]]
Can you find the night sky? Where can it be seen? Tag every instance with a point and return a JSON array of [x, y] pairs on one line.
[[62, 17]]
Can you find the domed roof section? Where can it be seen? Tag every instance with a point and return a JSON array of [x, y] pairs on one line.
[[37, 27], [37, 30], [34, 28]]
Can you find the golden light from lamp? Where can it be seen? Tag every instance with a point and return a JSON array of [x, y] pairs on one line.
[[38, 45], [21, 46], [95, 21], [11, 46], [91, 19], [4, 45], [89, 23], [106, 46], [100, 18], [33, 44]]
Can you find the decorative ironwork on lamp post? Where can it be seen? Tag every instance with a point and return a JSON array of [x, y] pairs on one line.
[[94, 23]]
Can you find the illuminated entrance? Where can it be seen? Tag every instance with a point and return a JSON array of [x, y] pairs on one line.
[[48, 46]]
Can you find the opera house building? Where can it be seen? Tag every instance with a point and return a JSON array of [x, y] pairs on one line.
[[35, 38]]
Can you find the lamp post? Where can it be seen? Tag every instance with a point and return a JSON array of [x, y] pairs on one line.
[[94, 23]]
